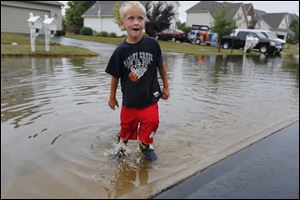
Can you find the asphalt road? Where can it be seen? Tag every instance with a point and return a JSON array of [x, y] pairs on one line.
[[267, 169]]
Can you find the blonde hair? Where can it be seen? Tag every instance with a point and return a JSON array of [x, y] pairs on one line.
[[129, 5]]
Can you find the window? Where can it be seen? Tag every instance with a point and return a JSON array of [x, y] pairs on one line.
[[242, 35]]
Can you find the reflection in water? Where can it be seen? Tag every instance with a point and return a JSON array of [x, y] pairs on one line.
[[18, 88], [56, 125], [127, 178]]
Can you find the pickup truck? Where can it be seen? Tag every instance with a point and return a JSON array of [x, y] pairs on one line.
[[264, 45]]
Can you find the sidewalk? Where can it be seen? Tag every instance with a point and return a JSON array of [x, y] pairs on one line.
[[266, 169]]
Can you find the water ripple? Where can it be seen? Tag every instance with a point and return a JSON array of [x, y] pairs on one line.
[[55, 121]]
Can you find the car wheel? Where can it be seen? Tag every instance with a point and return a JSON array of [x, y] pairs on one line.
[[198, 41], [173, 39], [226, 45], [263, 49], [278, 53]]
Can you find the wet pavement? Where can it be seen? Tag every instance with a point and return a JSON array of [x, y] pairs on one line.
[[102, 49], [267, 169]]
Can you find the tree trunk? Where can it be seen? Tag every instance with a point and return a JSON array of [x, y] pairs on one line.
[[219, 42]]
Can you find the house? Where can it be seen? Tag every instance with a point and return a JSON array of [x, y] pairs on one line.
[[14, 14], [251, 17], [204, 13], [279, 23], [99, 17]]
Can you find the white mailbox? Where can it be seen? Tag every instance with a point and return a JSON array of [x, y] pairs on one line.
[[35, 25], [250, 43], [50, 26]]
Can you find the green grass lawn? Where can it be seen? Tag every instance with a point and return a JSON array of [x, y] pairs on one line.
[[290, 49], [24, 48], [194, 49], [167, 46], [185, 48]]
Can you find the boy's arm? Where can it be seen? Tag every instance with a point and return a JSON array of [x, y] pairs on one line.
[[112, 102], [164, 77]]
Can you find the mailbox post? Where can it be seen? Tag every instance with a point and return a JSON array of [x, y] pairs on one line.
[[50, 26], [35, 25]]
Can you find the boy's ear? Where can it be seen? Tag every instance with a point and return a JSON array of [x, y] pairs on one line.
[[121, 25], [146, 21]]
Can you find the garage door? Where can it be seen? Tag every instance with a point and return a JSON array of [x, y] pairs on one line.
[[15, 19]]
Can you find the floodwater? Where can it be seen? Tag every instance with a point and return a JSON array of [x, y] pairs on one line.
[[57, 131]]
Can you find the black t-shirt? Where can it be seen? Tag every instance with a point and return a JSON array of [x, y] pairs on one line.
[[142, 58]]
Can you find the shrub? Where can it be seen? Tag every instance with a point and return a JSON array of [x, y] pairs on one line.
[[73, 29], [60, 33], [86, 31], [112, 34], [102, 34]]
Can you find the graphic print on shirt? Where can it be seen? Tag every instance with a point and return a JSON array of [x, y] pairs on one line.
[[138, 64]]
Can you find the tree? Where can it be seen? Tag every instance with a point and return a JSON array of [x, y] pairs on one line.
[[116, 13], [184, 27], [159, 15], [74, 12], [294, 37], [222, 25]]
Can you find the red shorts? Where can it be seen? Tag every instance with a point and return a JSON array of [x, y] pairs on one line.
[[139, 123]]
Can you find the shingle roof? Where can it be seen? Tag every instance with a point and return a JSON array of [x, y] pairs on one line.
[[247, 6], [55, 3], [259, 13], [274, 19], [212, 7], [101, 8]]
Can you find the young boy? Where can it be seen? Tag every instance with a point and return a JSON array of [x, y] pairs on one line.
[[135, 63]]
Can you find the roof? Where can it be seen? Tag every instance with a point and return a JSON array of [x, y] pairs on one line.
[[48, 20], [274, 19], [248, 6], [33, 18], [54, 3], [103, 8], [212, 7], [49, 3], [259, 13]]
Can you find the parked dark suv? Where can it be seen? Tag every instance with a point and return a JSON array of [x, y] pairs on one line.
[[171, 34], [238, 39]]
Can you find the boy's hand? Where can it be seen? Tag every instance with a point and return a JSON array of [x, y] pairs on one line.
[[165, 93], [112, 103]]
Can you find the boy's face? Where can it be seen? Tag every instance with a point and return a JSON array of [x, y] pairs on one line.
[[134, 23]]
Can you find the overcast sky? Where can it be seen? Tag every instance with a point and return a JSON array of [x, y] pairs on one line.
[[267, 6]]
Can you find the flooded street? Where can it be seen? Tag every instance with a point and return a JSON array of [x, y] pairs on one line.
[[57, 130]]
